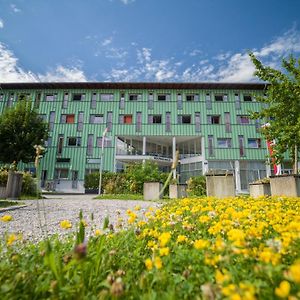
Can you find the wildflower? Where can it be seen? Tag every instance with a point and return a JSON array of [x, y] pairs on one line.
[[6, 218], [164, 251], [182, 239], [236, 236], [117, 288], [137, 207], [164, 238], [80, 251], [204, 219], [221, 278], [157, 263], [10, 239], [149, 264], [65, 224], [283, 290], [84, 223], [98, 232], [132, 218], [295, 272], [201, 244]]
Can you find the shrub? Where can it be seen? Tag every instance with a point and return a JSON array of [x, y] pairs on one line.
[[91, 181], [29, 187], [3, 177], [196, 186]]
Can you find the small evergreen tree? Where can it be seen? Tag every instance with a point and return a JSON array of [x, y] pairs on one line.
[[283, 107], [20, 129]]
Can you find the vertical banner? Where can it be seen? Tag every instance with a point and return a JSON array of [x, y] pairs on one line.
[[276, 167]]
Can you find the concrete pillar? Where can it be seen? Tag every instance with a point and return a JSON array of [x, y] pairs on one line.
[[268, 168], [204, 161], [174, 154], [238, 186]]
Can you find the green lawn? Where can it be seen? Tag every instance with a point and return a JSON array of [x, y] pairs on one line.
[[5, 203]]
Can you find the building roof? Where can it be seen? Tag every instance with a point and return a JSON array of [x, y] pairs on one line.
[[133, 85]]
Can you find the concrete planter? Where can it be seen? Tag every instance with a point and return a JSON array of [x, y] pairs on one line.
[[259, 189], [220, 184], [177, 191], [285, 185], [151, 190], [2, 192], [14, 185]]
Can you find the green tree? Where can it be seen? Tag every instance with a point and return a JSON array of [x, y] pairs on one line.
[[282, 111], [20, 129]]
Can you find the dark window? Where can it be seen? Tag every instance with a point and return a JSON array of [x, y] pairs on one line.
[[157, 119], [62, 173], [78, 97], [215, 119], [243, 119], [163, 97], [135, 97], [247, 98], [192, 97], [184, 119], [218, 97], [37, 100], [254, 143], [241, 145], [74, 141], [60, 143]]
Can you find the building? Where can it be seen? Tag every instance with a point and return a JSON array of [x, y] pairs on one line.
[[207, 122]]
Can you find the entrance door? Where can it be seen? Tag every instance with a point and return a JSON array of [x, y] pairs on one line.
[[43, 178], [74, 179]]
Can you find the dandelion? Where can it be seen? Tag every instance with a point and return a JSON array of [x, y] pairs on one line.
[[65, 224], [6, 218], [164, 251], [295, 272], [283, 290], [158, 263], [201, 244], [182, 239], [164, 238], [98, 232], [149, 264], [11, 239], [137, 207]]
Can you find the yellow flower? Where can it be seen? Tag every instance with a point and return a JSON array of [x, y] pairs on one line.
[[164, 238], [220, 277], [10, 239], [65, 224], [98, 232], [236, 236], [164, 251], [204, 219], [295, 272], [6, 218], [131, 219], [137, 207], [182, 239], [84, 223], [235, 296], [158, 263], [283, 290], [201, 244], [148, 264]]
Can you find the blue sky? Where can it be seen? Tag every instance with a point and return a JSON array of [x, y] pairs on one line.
[[144, 40]]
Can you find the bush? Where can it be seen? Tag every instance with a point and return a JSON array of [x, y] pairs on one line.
[[29, 187], [91, 181], [196, 186], [3, 177]]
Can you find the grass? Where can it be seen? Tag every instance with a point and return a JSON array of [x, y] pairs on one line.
[[120, 197], [5, 203]]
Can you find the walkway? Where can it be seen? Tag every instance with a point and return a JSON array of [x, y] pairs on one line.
[[66, 207]]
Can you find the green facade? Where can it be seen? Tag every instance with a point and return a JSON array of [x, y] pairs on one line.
[[145, 116]]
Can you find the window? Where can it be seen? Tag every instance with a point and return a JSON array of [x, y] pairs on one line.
[[179, 101], [37, 100], [107, 97], [90, 141], [197, 122], [247, 98], [68, 119], [243, 119], [184, 119], [51, 120], [96, 119], [241, 145], [214, 119], [62, 173], [60, 143], [163, 97], [50, 97], [227, 122], [125, 119], [138, 121], [221, 97], [135, 97], [80, 121], [109, 120], [150, 100], [107, 142], [154, 119], [210, 145], [237, 101], [78, 97], [194, 97], [74, 141], [65, 100], [224, 142], [168, 121], [208, 101], [94, 100], [122, 101], [254, 143]]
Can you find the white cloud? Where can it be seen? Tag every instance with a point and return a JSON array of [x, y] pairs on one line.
[[1, 23], [107, 41], [14, 8], [127, 1], [195, 52], [10, 71]]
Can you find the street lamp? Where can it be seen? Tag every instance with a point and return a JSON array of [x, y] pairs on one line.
[[101, 160]]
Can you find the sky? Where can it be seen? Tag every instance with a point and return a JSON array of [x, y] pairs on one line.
[[144, 40]]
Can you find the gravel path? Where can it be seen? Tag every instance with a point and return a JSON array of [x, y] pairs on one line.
[[66, 207]]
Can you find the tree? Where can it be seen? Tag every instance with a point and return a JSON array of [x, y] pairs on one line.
[[20, 129], [282, 112]]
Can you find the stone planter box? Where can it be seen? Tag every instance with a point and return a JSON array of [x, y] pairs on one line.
[[285, 185], [220, 184], [259, 189], [177, 191], [2, 192], [14, 185], [151, 190]]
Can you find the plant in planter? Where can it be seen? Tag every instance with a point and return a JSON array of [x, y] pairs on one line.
[[282, 116]]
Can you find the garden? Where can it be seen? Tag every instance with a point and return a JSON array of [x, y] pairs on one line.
[[194, 248]]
